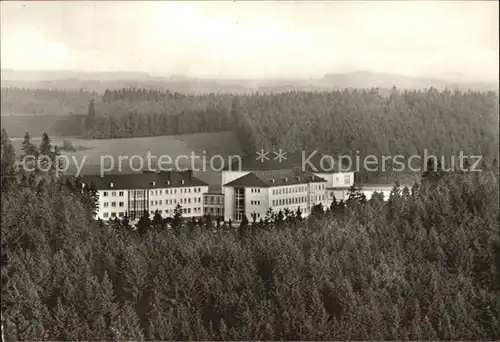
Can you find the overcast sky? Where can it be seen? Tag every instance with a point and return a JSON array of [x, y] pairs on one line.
[[442, 39]]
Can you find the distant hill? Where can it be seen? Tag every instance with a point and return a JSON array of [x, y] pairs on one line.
[[99, 81]]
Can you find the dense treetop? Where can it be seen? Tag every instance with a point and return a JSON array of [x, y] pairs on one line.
[[423, 266]]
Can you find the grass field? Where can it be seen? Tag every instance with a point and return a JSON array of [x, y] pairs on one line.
[[35, 124], [220, 143]]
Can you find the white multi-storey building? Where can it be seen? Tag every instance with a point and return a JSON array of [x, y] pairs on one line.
[[134, 194], [333, 183], [257, 192]]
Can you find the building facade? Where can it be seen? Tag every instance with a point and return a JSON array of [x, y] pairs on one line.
[[334, 183], [133, 194], [213, 205], [253, 194]]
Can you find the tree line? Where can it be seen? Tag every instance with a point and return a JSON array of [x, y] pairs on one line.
[[343, 122], [425, 265]]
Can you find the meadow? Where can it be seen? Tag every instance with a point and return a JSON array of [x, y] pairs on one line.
[[220, 143], [36, 124]]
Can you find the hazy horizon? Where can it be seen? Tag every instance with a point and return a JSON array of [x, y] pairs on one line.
[[254, 40]]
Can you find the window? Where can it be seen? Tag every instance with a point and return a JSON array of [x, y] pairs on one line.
[[113, 193], [113, 214], [105, 215], [121, 214], [120, 193], [106, 204], [105, 193], [189, 210], [121, 204], [347, 179], [113, 204]]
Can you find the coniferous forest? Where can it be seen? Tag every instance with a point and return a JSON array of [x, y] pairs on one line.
[[341, 122], [425, 265]]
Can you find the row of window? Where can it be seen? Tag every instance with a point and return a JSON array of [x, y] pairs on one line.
[[173, 191], [287, 201], [255, 202], [113, 193], [184, 210], [347, 179], [213, 200], [174, 201], [113, 204], [152, 192], [317, 198], [255, 190], [289, 190], [216, 211], [113, 215], [296, 189]]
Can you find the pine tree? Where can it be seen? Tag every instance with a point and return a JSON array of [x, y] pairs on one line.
[[91, 117], [298, 214], [144, 223], [45, 152], [125, 222], [243, 228], [8, 158], [157, 220], [177, 221], [29, 154], [57, 165]]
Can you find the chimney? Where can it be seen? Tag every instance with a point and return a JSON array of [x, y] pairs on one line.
[[182, 181], [168, 182], [286, 179], [154, 183], [272, 180], [111, 185], [298, 178]]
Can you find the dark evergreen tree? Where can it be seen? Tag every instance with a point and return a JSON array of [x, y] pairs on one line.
[[143, 224], [157, 220], [177, 220], [45, 153], [91, 116]]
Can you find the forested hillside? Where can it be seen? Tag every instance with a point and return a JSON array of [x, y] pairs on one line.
[[335, 123], [44, 101], [338, 122], [423, 266]]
